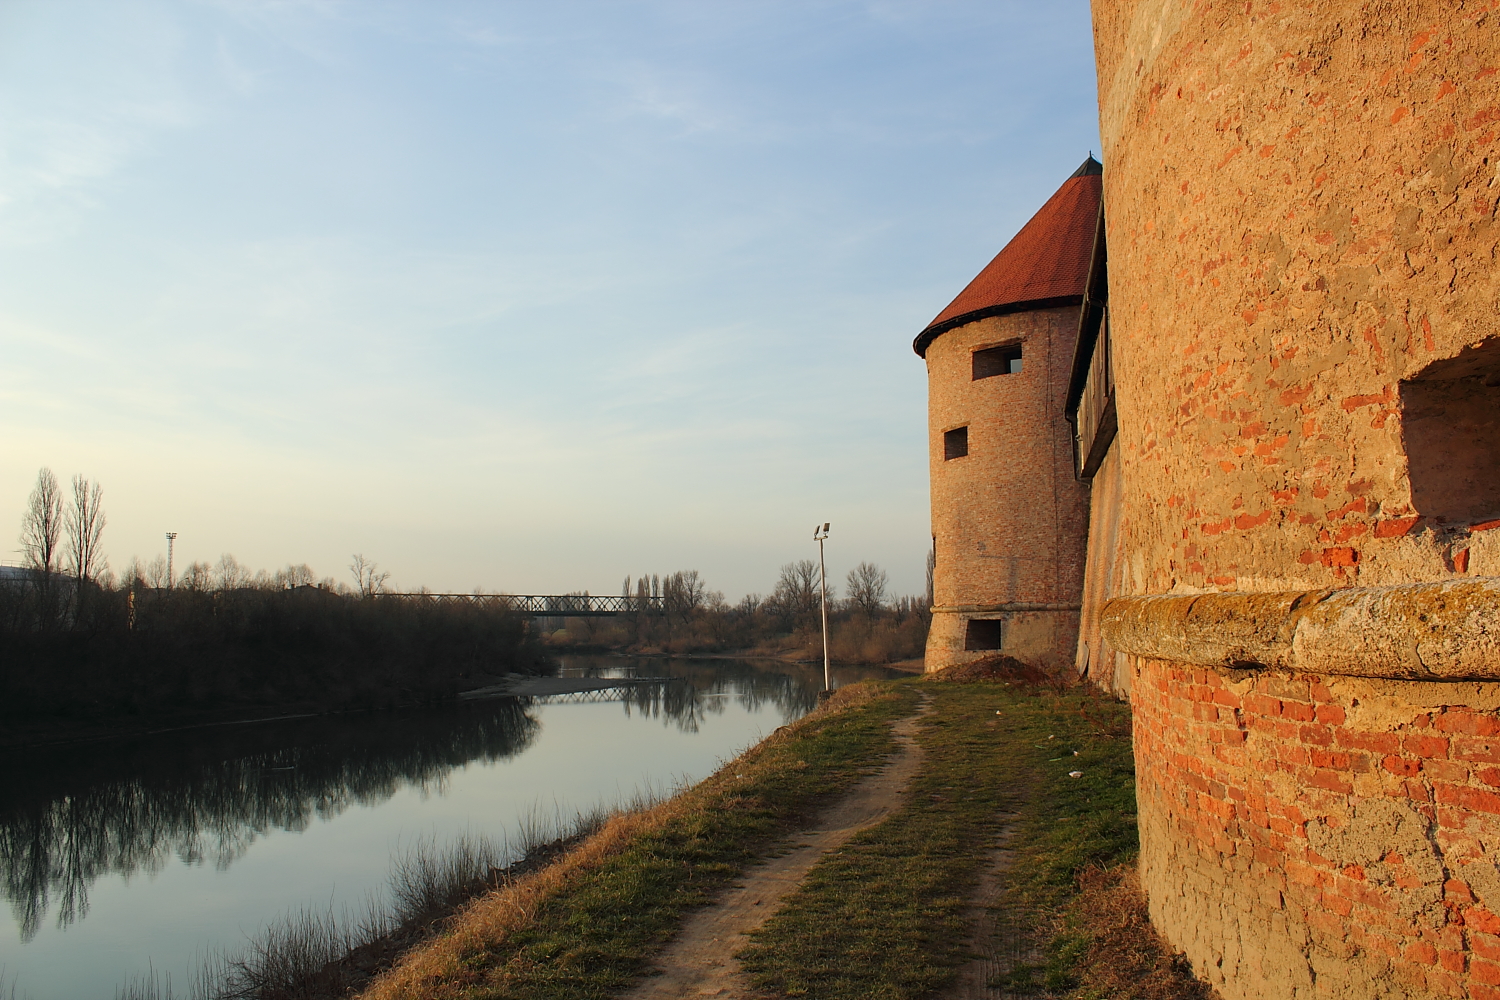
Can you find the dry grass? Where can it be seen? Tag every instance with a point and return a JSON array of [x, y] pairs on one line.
[[477, 950], [1125, 958], [486, 923]]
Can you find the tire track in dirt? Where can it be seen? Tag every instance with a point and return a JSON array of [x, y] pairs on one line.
[[700, 960]]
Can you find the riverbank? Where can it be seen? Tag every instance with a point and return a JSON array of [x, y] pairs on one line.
[[1019, 822]]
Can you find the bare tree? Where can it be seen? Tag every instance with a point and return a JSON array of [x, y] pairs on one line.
[[198, 577], [684, 593], [295, 576], [229, 574], [866, 585], [797, 590], [155, 572], [41, 535], [85, 526], [369, 580]]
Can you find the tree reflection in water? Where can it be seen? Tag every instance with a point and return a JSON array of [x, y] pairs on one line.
[[704, 686], [74, 814], [70, 815]]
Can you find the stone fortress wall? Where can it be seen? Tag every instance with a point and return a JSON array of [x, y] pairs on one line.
[[1295, 536]]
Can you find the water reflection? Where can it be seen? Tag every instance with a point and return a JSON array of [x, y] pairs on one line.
[[70, 815], [704, 687], [74, 814]]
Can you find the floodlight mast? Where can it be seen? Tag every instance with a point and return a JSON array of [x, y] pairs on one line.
[[171, 538], [820, 533]]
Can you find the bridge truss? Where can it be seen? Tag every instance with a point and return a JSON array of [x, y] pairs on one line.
[[544, 605]]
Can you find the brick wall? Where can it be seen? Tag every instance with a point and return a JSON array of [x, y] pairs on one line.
[[1301, 216], [1312, 836]]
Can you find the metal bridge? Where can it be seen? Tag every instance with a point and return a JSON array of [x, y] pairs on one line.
[[544, 605]]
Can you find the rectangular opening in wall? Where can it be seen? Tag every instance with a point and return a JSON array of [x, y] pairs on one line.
[[1450, 428], [997, 361], [955, 443], [983, 633]]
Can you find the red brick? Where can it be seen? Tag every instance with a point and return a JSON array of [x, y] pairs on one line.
[[1425, 746], [1335, 782], [1322, 758], [1484, 945], [1479, 750], [1297, 712], [1477, 918], [1402, 766], [1484, 971], [1422, 953], [1333, 715], [1375, 742], [1457, 889], [1443, 770], [1468, 723], [1476, 799]]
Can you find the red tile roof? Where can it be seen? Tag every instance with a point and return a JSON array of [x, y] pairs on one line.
[[1045, 264]]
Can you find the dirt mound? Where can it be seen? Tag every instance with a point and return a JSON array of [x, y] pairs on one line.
[[992, 669]]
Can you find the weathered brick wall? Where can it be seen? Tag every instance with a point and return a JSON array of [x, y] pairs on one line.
[[1305, 306], [1322, 837], [1104, 570], [1302, 235], [1009, 520]]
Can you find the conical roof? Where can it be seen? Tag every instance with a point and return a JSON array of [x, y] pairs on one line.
[[1045, 264]]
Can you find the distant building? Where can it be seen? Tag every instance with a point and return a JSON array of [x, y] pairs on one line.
[[1009, 519]]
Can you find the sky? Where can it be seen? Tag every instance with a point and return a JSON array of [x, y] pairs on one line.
[[525, 297]]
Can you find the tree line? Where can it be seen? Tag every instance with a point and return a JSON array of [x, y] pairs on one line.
[[679, 613], [78, 641]]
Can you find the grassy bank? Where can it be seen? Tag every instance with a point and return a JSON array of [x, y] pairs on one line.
[[886, 915], [586, 926]]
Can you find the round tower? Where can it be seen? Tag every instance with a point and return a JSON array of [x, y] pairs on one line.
[[1009, 519]]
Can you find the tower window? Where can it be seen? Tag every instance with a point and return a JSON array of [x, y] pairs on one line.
[[997, 361], [983, 633], [955, 443]]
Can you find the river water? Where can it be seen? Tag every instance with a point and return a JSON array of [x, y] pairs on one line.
[[130, 856]]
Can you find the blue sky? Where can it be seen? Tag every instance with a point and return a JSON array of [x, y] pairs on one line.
[[523, 296]]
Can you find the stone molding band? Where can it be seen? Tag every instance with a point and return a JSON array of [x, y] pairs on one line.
[[983, 609], [1419, 631]]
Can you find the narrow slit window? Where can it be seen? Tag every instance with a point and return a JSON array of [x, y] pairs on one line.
[[997, 361], [983, 633], [955, 443]]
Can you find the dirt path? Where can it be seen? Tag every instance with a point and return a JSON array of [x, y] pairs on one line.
[[998, 943], [700, 960]]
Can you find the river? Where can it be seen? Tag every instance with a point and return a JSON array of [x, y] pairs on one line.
[[136, 855]]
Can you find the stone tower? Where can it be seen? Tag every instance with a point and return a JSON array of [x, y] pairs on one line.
[[1009, 518]]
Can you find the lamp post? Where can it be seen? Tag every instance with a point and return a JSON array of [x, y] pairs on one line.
[[820, 533], [171, 537]]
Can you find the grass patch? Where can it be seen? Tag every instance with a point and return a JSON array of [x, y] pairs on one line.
[[585, 927], [884, 918]]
